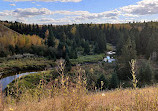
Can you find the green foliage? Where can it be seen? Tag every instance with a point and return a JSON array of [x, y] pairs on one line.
[[68, 63], [152, 45], [156, 75], [114, 82], [145, 73], [109, 47], [101, 40], [91, 79], [123, 66], [128, 51], [9, 65], [102, 82], [86, 48], [51, 39], [96, 48], [87, 59]]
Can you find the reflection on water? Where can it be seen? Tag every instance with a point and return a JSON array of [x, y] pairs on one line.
[[6, 80]]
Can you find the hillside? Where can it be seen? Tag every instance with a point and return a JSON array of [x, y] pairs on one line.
[[5, 31], [118, 100], [11, 42]]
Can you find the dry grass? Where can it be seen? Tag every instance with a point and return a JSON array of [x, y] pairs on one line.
[[118, 100]]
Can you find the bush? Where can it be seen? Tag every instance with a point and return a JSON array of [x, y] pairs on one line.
[[102, 82]]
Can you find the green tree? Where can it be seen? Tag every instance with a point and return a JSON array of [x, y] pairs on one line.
[[145, 73], [152, 45], [114, 82], [101, 40], [128, 53], [86, 48], [68, 63], [51, 39], [96, 48]]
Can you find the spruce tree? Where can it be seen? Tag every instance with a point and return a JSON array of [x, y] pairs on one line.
[[128, 53], [51, 39], [114, 82], [145, 73]]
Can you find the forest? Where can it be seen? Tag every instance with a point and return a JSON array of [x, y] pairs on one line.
[[131, 41]]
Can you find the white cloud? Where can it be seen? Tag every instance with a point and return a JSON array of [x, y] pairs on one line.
[[44, 0], [62, 21], [12, 4], [5, 13], [21, 19], [143, 7], [65, 12], [107, 14], [129, 15], [30, 12]]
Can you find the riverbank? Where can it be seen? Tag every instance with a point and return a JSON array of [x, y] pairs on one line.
[[28, 80], [24, 64]]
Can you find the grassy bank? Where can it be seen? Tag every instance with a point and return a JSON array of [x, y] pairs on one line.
[[32, 80], [15, 65], [88, 59]]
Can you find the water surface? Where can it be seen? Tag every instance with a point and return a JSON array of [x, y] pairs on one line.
[[6, 80]]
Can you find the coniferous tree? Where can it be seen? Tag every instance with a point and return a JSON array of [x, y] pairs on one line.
[[51, 39], [96, 48], [114, 82], [86, 48], [128, 53], [145, 73], [101, 40]]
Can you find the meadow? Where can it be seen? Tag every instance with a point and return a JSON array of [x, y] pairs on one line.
[[88, 59]]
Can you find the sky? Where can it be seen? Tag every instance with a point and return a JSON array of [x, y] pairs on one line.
[[61, 12]]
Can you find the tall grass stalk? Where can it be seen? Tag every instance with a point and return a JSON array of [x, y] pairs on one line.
[[133, 72]]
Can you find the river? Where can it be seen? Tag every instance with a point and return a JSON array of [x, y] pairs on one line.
[[4, 81]]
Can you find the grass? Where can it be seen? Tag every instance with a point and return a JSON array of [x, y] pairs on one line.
[[14, 65], [145, 99], [32, 80], [109, 47], [87, 59], [65, 95]]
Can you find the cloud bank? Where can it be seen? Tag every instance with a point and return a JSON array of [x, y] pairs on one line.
[[69, 16], [143, 7]]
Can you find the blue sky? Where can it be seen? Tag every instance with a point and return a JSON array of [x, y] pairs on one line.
[[59, 12]]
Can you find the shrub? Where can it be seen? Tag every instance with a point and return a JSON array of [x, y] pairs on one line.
[[102, 82]]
